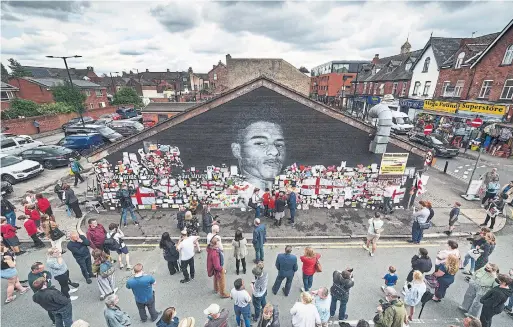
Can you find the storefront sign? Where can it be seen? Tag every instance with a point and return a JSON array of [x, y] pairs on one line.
[[373, 100], [483, 108], [442, 106], [393, 163], [413, 104]]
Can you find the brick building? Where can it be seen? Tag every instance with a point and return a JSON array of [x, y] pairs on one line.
[[9, 93], [218, 78], [180, 82], [39, 90], [243, 70]]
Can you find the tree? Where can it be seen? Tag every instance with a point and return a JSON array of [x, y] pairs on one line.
[[71, 96], [22, 108], [5, 74], [127, 95], [17, 70], [304, 70]]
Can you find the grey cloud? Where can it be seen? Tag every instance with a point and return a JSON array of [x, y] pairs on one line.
[[6, 16], [60, 10], [131, 52], [176, 18]]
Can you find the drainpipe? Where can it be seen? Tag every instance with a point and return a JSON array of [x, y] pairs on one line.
[[382, 112]]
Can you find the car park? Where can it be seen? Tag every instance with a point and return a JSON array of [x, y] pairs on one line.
[[51, 156], [77, 120], [82, 143], [113, 116], [441, 147], [127, 127], [6, 188], [16, 169], [16, 145], [103, 121], [126, 113], [108, 134]]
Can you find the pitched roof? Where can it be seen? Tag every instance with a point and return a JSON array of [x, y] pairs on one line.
[[202, 75], [51, 82], [472, 47], [46, 72], [8, 87], [443, 48], [168, 106], [391, 68], [236, 92], [491, 45]]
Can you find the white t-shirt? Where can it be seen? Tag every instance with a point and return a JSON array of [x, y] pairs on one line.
[[118, 235], [305, 315], [374, 225], [186, 248], [219, 242], [240, 298], [389, 191]]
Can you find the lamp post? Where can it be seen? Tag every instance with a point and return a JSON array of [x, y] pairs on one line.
[[70, 80], [112, 81]]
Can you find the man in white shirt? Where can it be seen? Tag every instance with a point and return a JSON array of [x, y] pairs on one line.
[[186, 248], [387, 198], [241, 303], [214, 233], [373, 233]]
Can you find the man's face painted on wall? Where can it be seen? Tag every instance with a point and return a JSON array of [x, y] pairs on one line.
[[261, 151]]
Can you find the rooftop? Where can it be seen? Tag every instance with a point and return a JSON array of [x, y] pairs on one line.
[[8, 87], [52, 82]]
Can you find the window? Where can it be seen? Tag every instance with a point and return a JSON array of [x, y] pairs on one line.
[[88, 93], [8, 143], [446, 85], [394, 88], [408, 66], [426, 65], [215, 77], [382, 89], [364, 87], [459, 61], [416, 88], [91, 106], [458, 88], [508, 56], [427, 85], [507, 91], [102, 105], [403, 89], [376, 88], [98, 93], [485, 89], [370, 88]]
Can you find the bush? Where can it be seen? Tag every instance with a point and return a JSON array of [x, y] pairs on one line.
[[55, 108], [20, 107]]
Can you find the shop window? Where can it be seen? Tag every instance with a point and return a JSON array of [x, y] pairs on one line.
[[416, 88], [427, 85], [445, 92], [364, 87], [426, 65], [458, 88], [394, 88], [484, 93], [507, 92], [508, 56], [459, 60]]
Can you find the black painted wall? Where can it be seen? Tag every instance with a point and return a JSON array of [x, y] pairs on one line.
[[311, 137]]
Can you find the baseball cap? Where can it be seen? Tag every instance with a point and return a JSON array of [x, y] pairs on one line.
[[212, 309]]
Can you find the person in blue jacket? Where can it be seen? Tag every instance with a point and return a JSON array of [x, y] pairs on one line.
[[259, 239], [291, 202], [286, 263]]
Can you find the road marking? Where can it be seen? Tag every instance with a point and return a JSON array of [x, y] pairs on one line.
[[319, 246], [456, 171], [460, 167], [467, 165]]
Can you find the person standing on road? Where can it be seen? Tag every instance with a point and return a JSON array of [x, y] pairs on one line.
[[215, 263], [259, 239], [8, 210], [142, 287], [475, 242], [310, 260], [31, 228], [419, 219], [57, 189], [292, 204], [414, 292], [103, 268], [270, 316], [445, 276], [9, 237], [442, 255], [453, 217], [171, 254], [240, 251], [215, 234], [125, 200], [114, 317], [373, 233], [280, 204], [8, 271], [304, 313], [286, 263], [421, 262], [96, 234], [493, 301], [52, 232], [59, 271], [186, 248], [71, 200], [387, 198], [79, 247], [391, 314], [76, 168], [206, 216], [117, 235], [44, 205], [494, 208], [37, 126], [322, 301], [342, 283], [478, 285], [492, 188], [169, 319], [54, 302], [256, 202], [215, 316], [242, 302], [259, 288], [37, 270], [488, 177], [486, 250]]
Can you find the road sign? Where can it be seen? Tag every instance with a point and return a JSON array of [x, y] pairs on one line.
[[477, 122], [428, 129]]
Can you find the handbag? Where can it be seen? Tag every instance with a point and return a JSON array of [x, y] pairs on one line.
[[474, 253], [55, 233], [318, 266]]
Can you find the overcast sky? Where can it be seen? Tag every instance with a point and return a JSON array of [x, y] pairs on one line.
[[117, 36]]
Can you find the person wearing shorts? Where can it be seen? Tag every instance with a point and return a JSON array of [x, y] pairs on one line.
[[9, 237], [116, 233], [373, 233], [8, 271]]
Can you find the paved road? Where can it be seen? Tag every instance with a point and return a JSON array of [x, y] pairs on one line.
[[51, 139], [191, 299]]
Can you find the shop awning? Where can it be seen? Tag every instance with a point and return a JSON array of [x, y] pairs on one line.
[[463, 115]]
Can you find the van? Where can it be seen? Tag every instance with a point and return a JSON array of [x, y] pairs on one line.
[[126, 113], [16, 145], [83, 143], [401, 123], [107, 133]]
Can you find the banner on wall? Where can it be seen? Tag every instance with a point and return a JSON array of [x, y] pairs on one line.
[[441, 106], [393, 163], [482, 108]]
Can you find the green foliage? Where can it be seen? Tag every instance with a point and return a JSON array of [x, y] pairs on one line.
[[16, 69], [70, 96], [127, 95], [55, 108], [4, 74], [20, 107]]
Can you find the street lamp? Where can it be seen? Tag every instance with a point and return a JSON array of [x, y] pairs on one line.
[[112, 81], [70, 80]]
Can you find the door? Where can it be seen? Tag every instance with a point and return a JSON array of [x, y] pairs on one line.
[[9, 146], [38, 155]]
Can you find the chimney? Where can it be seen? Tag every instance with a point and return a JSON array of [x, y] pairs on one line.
[[375, 59], [147, 70], [168, 70], [220, 63], [228, 57], [91, 69], [190, 70]]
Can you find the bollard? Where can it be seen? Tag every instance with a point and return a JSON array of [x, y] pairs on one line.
[[446, 165]]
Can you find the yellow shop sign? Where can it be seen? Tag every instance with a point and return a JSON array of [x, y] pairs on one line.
[[442, 106], [483, 108]]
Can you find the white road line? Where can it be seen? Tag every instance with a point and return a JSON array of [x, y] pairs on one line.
[[456, 171]]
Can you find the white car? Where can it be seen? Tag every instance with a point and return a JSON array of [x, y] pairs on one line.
[[18, 144], [15, 169]]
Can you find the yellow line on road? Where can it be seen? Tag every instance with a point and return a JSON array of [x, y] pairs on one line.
[[327, 246]]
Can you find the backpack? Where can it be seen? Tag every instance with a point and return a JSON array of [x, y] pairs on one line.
[[251, 204], [111, 244], [106, 269]]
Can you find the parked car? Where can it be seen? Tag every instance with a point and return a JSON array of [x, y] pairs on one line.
[[109, 135], [126, 112], [126, 127], [103, 121], [51, 156], [16, 145], [6, 188], [16, 169], [113, 116], [442, 148], [148, 123], [7, 135], [82, 143], [74, 121]]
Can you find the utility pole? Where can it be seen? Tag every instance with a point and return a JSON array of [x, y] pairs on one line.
[[70, 80]]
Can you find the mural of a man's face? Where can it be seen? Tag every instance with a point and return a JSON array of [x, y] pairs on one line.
[[260, 150]]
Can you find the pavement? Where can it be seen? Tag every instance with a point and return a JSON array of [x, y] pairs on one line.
[[191, 299]]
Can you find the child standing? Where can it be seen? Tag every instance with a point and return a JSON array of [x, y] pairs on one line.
[[390, 278], [271, 206], [33, 213], [265, 201], [453, 217], [31, 228]]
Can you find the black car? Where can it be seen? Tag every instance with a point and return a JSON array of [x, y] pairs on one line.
[[442, 148], [74, 121], [50, 156]]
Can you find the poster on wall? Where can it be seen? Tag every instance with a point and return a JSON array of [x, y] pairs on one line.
[[393, 163]]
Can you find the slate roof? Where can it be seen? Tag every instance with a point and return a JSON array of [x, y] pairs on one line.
[[473, 47], [168, 106], [492, 44], [46, 72], [397, 72], [168, 76], [8, 87], [51, 82], [443, 48]]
